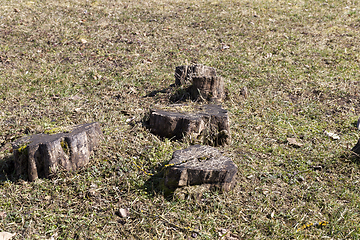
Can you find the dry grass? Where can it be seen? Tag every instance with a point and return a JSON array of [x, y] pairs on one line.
[[71, 62]]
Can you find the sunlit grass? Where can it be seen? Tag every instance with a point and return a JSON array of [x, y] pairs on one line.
[[71, 62]]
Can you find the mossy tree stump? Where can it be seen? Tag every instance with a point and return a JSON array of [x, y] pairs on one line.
[[42, 154]]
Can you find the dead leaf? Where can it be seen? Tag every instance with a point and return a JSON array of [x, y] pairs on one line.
[[132, 90], [332, 135], [222, 232], [55, 97], [244, 92], [225, 234], [93, 190], [317, 168], [123, 212], [6, 235], [75, 98], [83, 40], [130, 119], [232, 237], [77, 109], [294, 142], [3, 214], [224, 47]]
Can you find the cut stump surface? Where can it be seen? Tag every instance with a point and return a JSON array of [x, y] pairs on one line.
[[42, 154], [199, 165]]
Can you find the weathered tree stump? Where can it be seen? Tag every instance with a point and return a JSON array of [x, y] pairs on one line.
[[184, 74], [356, 148], [199, 165], [205, 83], [209, 125], [42, 154]]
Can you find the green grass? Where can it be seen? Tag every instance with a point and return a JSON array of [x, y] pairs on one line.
[[71, 62]]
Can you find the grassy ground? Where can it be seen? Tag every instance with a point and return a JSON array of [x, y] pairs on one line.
[[71, 62]]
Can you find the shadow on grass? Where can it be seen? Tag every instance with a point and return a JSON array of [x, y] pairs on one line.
[[7, 169], [353, 157], [155, 92], [155, 184], [182, 94], [177, 94], [164, 90]]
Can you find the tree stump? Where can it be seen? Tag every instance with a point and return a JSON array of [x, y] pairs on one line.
[[198, 165], [356, 148], [42, 154], [209, 125], [184, 74], [206, 85]]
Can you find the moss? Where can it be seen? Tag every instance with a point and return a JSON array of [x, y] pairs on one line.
[[23, 149], [53, 130], [65, 147], [58, 130], [181, 108]]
